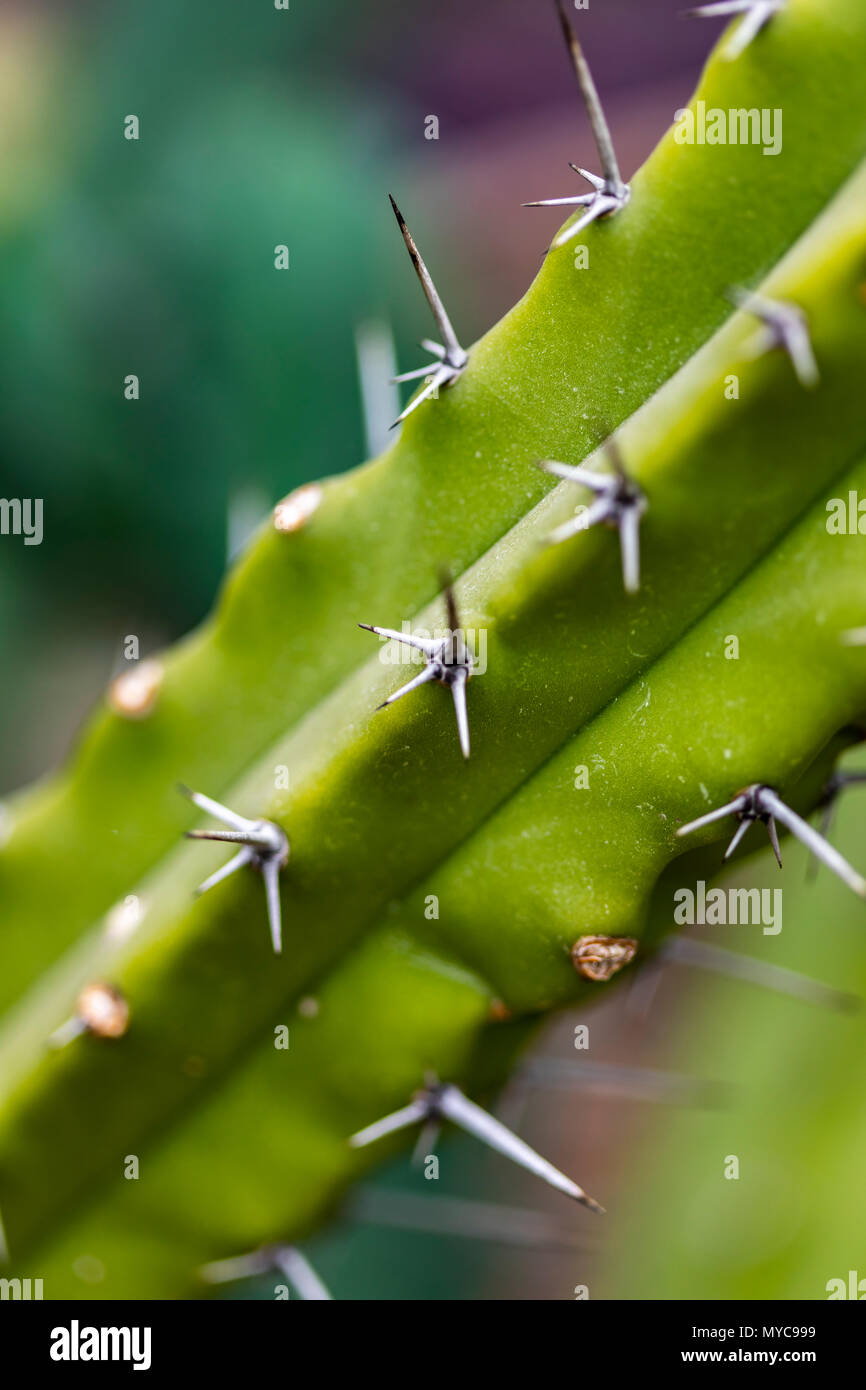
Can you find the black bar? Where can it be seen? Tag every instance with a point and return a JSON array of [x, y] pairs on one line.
[[259, 1339]]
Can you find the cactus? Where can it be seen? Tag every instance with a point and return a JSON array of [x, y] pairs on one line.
[[435, 907]]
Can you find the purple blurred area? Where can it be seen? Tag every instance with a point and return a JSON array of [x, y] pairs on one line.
[[497, 76], [503, 60]]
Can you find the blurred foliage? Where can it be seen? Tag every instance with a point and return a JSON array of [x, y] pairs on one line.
[[156, 257]]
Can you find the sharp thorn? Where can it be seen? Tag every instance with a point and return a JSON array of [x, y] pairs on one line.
[[456, 1107], [807, 835], [600, 129], [437, 308], [418, 1109], [740, 831], [300, 1274], [731, 808], [285, 1258], [774, 840]]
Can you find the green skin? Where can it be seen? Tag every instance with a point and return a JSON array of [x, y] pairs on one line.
[[240, 1142]]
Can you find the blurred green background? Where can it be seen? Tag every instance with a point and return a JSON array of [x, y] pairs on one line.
[[261, 127]]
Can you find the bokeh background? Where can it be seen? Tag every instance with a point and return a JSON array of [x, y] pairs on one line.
[[261, 127]]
